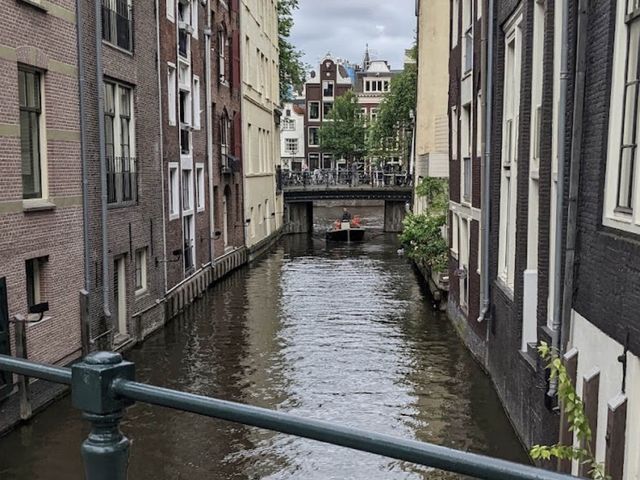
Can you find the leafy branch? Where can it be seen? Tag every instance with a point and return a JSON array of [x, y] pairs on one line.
[[573, 407]]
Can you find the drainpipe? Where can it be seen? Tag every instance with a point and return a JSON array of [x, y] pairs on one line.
[[161, 148], [208, 99], [574, 175], [561, 133], [487, 105], [83, 151], [103, 163]]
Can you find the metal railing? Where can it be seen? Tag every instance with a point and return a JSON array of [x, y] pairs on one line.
[[103, 386], [345, 177], [122, 179]]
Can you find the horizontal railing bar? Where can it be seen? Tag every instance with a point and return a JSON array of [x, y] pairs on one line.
[[430, 455], [35, 370]]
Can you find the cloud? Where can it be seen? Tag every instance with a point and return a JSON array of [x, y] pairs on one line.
[[344, 28]]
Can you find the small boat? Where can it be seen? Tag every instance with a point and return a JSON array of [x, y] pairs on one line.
[[346, 231]]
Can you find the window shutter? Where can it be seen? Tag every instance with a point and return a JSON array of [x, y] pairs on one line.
[[235, 58]]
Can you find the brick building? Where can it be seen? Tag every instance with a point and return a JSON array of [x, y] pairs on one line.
[[559, 220], [41, 202], [320, 91], [120, 99]]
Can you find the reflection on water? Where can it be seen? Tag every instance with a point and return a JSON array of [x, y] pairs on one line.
[[342, 333]]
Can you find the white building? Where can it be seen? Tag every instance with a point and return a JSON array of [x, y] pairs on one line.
[[260, 109], [292, 136]]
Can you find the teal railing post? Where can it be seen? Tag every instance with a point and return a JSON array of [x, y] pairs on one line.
[[105, 452]]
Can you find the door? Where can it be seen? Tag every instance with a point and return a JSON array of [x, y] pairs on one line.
[[120, 295], [225, 218], [5, 377]]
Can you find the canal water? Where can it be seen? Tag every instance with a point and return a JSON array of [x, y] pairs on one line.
[[342, 333]]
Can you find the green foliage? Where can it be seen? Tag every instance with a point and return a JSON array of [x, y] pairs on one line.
[[422, 234], [573, 407], [344, 134], [291, 65], [391, 132]]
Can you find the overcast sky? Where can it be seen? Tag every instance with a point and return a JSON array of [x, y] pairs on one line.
[[344, 27]]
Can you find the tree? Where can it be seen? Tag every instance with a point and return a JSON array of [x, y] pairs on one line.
[[343, 134], [391, 132], [291, 67]]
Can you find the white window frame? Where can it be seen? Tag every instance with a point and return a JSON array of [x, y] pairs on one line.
[[466, 136], [316, 157], [454, 23], [513, 35], [196, 102], [454, 234], [310, 136], [171, 92], [173, 179], [188, 206], [319, 110], [623, 216], [291, 146], [200, 194], [325, 85], [467, 25], [141, 264], [194, 18], [454, 133], [171, 10]]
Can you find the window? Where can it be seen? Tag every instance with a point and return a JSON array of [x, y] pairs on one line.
[[116, 23], [467, 22], [171, 9], [225, 129], [200, 186], [326, 110], [327, 88], [314, 137], [174, 191], [196, 102], [509, 170], [386, 85], [463, 263], [288, 124], [454, 234], [455, 7], [314, 161], [454, 133], [171, 93], [291, 145], [187, 190], [327, 160], [194, 18], [189, 244], [185, 122], [223, 44], [374, 114], [122, 185], [184, 29], [314, 110], [621, 197], [35, 270], [465, 142], [30, 132], [141, 270]]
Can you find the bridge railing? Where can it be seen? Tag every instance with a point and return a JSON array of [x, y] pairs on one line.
[[103, 386], [344, 178]]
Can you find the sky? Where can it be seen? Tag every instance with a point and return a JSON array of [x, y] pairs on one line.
[[344, 27]]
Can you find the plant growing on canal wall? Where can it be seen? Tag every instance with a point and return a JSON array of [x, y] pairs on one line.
[[422, 234], [573, 407]]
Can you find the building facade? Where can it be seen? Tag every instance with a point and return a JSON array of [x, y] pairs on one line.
[[292, 150], [42, 238], [323, 87], [559, 218], [431, 144], [226, 125], [263, 204]]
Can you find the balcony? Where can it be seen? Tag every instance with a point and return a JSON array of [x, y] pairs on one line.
[[116, 23], [229, 164], [122, 180]]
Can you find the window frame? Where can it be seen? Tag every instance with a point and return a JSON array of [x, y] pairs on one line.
[[173, 179], [141, 271], [111, 14], [317, 135], [318, 117], [38, 112], [200, 188]]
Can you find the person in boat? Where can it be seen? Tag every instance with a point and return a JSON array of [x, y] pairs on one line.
[[346, 215]]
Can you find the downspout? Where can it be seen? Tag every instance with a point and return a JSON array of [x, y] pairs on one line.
[[487, 105], [161, 148], [83, 151], [574, 175], [103, 163], [561, 133], [208, 99]]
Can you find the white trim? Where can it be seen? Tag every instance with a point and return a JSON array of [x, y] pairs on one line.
[[200, 197], [465, 210], [174, 190]]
